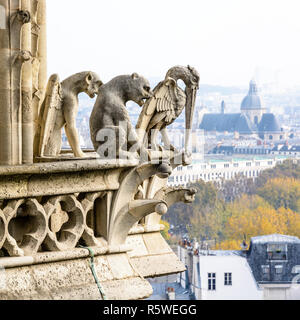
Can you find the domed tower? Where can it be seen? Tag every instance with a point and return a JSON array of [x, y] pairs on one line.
[[251, 105]]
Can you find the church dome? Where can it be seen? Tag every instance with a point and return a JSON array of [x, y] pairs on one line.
[[252, 101]]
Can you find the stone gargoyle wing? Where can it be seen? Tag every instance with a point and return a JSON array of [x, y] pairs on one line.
[[51, 106], [158, 111]]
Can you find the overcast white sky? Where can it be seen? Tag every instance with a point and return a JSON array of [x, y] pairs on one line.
[[228, 41]]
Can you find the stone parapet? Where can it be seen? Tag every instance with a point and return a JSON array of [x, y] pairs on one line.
[[50, 213]]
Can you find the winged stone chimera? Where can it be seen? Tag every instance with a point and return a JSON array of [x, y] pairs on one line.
[[60, 110], [166, 106]]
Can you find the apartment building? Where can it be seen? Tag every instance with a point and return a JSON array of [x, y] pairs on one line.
[[220, 170], [268, 270]]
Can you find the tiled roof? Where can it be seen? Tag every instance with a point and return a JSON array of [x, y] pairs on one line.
[[269, 123], [277, 238], [230, 122]]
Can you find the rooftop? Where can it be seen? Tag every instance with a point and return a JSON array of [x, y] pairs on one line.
[[276, 238], [221, 253], [240, 159]]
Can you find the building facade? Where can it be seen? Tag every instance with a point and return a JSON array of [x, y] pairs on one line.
[[286, 150], [269, 270], [252, 120], [220, 170]]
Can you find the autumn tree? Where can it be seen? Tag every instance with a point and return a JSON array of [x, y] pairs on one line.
[[288, 169], [243, 207], [165, 232], [282, 192], [252, 216]]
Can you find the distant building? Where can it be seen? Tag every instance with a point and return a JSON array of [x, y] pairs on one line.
[[269, 270], [231, 150], [219, 170], [286, 150], [253, 119], [278, 150]]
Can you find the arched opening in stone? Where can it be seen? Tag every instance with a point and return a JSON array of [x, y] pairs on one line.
[[26, 222]]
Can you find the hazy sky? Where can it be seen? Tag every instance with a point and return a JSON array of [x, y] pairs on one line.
[[228, 41]]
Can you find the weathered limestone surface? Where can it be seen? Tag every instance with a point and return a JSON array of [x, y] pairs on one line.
[[59, 178], [68, 275], [55, 213], [151, 255], [73, 280], [61, 203], [158, 265], [22, 72]]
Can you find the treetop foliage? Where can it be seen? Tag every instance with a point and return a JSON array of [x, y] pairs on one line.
[[243, 208]]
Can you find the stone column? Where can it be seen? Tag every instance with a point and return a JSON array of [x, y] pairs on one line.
[[5, 85], [23, 76], [14, 53], [17, 59], [39, 49], [42, 49], [26, 84], [11, 60], [35, 34]]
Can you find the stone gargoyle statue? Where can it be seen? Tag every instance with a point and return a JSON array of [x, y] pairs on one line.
[[166, 106], [111, 131], [60, 109]]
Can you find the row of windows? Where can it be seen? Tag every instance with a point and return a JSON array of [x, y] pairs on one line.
[[266, 269], [285, 153], [226, 166], [212, 280], [251, 151], [214, 176]]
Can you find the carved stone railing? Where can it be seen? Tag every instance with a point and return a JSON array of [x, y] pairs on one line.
[[57, 224], [51, 207], [39, 213], [50, 213]]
